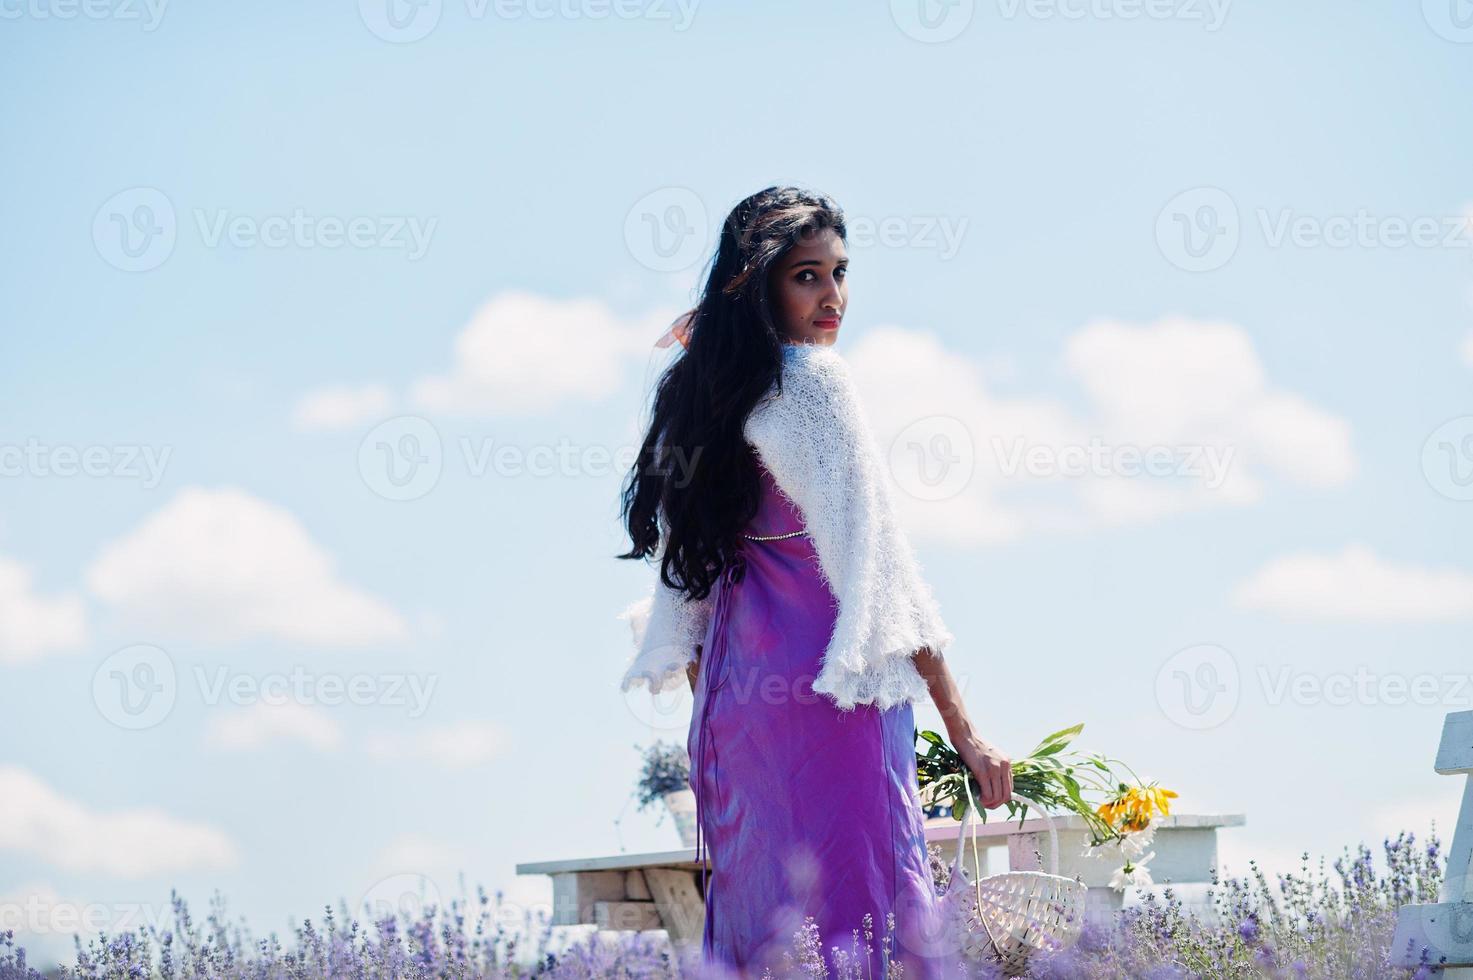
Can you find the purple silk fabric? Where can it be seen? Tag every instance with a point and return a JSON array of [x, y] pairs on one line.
[[803, 809]]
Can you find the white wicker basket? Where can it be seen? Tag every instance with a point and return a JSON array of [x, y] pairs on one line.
[[1007, 917]]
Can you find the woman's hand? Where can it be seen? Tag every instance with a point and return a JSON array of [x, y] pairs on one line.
[[993, 769], [693, 669]]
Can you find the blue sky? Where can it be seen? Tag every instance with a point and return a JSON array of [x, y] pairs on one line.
[[363, 244]]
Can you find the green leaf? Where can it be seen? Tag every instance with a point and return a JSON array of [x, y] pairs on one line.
[[1063, 735]]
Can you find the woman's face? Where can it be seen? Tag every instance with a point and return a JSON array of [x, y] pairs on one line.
[[809, 287]]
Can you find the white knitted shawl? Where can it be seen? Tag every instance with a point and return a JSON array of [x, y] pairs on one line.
[[817, 443]]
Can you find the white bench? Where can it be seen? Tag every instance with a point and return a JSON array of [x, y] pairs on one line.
[[661, 889], [1185, 846], [1445, 929]]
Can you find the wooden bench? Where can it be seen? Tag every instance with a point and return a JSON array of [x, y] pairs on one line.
[[661, 889]]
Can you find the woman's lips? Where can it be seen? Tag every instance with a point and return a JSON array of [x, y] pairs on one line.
[[828, 323]]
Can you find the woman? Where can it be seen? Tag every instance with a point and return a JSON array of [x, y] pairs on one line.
[[791, 601]]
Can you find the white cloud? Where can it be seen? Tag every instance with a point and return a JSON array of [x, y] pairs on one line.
[[339, 407], [455, 746], [33, 626], [256, 724], [221, 565], [1183, 381], [523, 353], [37, 820], [1194, 390], [414, 853], [905, 376], [1357, 585]]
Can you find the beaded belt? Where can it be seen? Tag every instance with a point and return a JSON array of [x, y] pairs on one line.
[[775, 537]]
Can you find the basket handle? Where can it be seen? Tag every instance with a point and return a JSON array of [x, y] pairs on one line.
[[1053, 834]]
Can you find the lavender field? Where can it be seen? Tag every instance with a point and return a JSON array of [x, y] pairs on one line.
[[1320, 923]]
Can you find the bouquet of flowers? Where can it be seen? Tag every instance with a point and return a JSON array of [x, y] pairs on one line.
[[665, 770], [1123, 818]]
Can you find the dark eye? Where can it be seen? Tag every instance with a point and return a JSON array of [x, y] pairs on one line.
[[841, 272]]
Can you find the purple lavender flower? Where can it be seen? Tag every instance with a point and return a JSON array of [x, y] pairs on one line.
[[1323, 928]]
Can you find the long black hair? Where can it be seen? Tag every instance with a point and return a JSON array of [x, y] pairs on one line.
[[695, 482]]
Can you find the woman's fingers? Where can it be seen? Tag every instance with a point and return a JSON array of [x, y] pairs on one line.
[[990, 784], [997, 797], [993, 772], [998, 788], [984, 796]]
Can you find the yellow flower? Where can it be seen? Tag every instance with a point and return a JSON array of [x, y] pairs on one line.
[[1136, 805]]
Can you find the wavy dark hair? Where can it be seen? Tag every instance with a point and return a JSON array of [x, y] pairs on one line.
[[695, 482]]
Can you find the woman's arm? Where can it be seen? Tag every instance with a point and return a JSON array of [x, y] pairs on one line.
[[993, 769]]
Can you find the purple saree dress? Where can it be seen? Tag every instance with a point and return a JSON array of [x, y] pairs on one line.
[[803, 809]]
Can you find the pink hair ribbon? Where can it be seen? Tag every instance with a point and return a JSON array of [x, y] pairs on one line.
[[679, 330]]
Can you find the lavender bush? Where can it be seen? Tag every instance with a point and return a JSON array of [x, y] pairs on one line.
[[1307, 926]]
